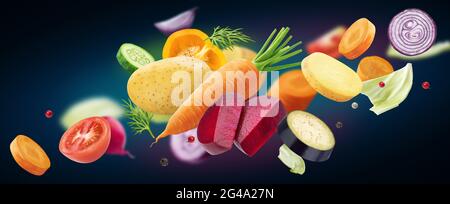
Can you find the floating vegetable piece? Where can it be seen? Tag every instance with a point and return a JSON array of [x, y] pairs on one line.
[[357, 39], [151, 87], [185, 151], [118, 138], [292, 160], [188, 115], [328, 43], [186, 42], [96, 106], [307, 135], [87, 140], [435, 50], [219, 125], [330, 77], [397, 87], [226, 38], [140, 121], [258, 123], [29, 155], [412, 32], [293, 90], [178, 22], [239, 53], [131, 57], [373, 67], [195, 43]]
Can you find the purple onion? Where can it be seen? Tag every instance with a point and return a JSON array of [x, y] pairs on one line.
[[187, 151], [412, 32], [178, 22]]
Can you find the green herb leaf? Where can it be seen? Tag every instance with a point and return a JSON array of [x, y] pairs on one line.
[[139, 119], [226, 38]]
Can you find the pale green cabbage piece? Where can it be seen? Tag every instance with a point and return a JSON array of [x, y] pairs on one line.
[[396, 89], [96, 106], [435, 50], [292, 160]]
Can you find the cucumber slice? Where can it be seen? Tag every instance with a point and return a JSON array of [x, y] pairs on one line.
[[307, 135], [132, 57], [292, 160], [96, 106]]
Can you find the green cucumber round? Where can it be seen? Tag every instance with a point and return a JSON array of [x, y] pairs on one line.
[[132, 57]]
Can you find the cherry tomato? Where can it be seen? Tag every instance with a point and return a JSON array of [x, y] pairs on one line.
[[87, 140]]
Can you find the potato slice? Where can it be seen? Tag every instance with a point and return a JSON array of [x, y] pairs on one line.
[[330, 77]]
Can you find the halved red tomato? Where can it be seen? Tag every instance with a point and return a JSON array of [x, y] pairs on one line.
[[87, 140]]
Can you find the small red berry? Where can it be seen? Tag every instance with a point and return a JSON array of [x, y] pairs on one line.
[[49, 114], [191, 139], [426, 85], [381, 84]]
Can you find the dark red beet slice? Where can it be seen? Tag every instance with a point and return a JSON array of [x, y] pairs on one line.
[[258, 123], [217, 128]]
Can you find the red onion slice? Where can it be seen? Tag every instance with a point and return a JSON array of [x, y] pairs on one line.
[[412, 32], [178, 22], [187, 151]]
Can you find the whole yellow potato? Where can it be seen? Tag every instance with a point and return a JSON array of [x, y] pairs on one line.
[[151, 86]]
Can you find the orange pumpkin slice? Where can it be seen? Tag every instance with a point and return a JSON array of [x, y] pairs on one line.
[[194, 43], [29, 155]]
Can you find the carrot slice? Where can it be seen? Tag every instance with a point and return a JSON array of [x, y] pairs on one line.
[[29, 155], [357, 38], [294, 91], [373, 67]]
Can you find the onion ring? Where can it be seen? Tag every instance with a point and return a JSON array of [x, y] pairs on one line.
[[412, 32]]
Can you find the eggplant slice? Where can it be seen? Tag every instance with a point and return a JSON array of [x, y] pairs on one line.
[[307, 135]]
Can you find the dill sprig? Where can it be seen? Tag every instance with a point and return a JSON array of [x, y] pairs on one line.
[[139, 119], [226, 38], [277, 51]]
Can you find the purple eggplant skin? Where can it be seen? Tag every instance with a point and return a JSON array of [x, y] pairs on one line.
[[305, 151]]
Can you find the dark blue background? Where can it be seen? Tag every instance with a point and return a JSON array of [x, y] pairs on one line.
[[56, 53]]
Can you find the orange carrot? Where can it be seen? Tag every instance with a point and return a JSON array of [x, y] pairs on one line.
[[357, 39], [293, 90], [373, 67], [190, 112]]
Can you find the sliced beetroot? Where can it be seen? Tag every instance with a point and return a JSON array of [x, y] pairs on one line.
[[118, 138], [259, 121], [217, 128]]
